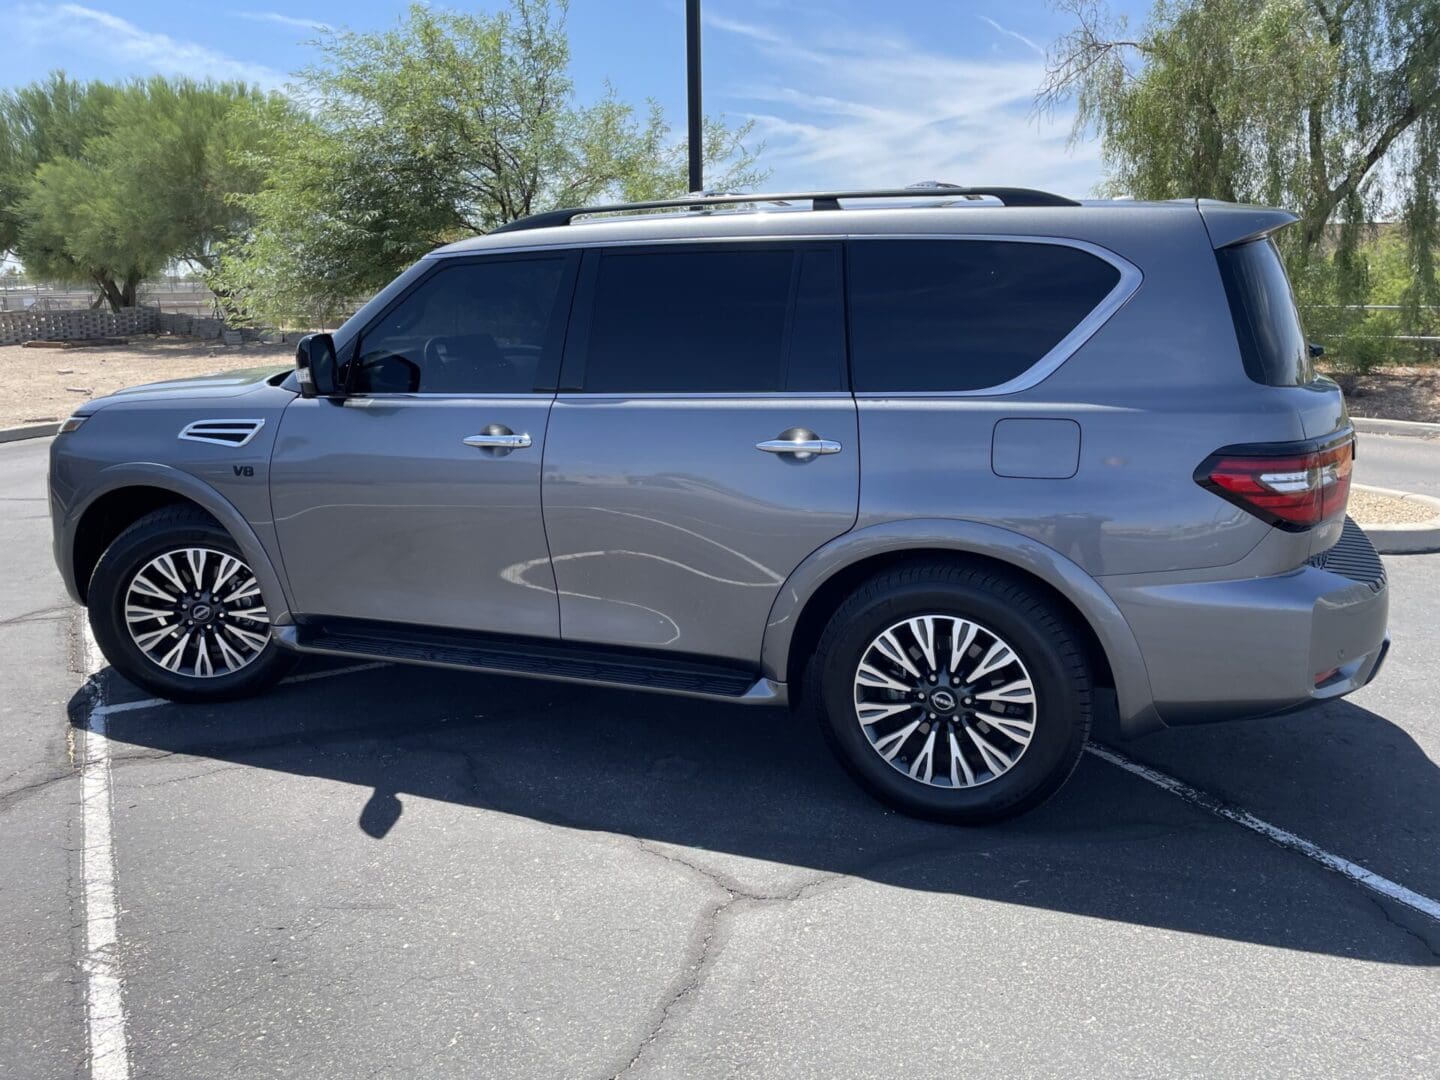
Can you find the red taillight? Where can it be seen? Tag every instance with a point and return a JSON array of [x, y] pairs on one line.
[[1294, 486]]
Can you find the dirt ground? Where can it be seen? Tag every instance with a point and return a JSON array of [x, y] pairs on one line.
[[41, 385], [1398, 393]]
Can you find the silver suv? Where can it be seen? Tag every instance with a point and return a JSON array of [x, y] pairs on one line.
[[946, 475]]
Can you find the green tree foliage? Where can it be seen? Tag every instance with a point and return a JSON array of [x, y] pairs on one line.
[[446, 126], [1328, 107], [105, 185]]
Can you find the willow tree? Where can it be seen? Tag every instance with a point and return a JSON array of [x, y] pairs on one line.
[[445, 126], [1328, 107]]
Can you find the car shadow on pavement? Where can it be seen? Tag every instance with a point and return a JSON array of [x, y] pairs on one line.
[[758, 783]]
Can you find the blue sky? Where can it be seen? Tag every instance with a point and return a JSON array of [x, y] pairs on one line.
[[842, 92]]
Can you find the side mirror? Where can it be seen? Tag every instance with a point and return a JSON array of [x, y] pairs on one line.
[[316, 368], [1316, 351]]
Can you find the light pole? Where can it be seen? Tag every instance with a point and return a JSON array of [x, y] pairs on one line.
[[692, 83]]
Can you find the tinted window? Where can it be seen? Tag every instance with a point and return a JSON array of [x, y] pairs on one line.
[[719, 321], [930, 315], [1267, 325], [817, 327], [471, 328]]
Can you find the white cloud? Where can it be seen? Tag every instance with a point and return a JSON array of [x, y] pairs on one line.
[[1027, 42], [855, 108], [119, 41], [278, 19]]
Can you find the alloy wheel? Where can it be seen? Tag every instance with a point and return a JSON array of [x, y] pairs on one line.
[[945, 701], [198, 612]]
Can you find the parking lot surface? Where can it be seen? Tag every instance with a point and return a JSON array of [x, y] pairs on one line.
[[401, 872]]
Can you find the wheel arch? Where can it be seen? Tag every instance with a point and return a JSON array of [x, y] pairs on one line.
[[820, 584], [128, 493]]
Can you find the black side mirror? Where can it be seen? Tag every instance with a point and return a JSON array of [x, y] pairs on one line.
[[316, 367], [1316, 351]]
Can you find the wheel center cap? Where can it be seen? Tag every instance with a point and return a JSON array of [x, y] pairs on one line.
[[942, 700], [201, 613]]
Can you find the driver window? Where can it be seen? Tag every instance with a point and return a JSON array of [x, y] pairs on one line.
[[471, 328]]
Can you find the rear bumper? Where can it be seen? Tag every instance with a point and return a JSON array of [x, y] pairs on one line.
[[1224, 650]]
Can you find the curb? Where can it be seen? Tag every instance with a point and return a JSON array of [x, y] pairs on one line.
[[1413, 428], [1405, 539], [34, 431]]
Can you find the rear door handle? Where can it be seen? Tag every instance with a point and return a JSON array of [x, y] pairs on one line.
[[497, 437], [801, 443]]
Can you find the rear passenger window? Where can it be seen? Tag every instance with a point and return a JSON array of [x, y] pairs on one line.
[[936, 315], [720, 321]]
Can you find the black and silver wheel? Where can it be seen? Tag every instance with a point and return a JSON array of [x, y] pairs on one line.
[[176, 609], [952, 692]]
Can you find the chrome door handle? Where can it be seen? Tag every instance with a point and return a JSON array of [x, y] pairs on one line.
[[496, 437], [800, 443]]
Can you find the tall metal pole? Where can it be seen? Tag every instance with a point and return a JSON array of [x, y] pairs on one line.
[[692, 81]]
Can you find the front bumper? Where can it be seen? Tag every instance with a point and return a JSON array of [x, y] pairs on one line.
[[1223, 650]]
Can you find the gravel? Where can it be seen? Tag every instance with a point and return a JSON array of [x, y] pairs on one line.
[[1371, 508]]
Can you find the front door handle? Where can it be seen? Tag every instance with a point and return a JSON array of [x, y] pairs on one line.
[[497, 437], [800, 443]]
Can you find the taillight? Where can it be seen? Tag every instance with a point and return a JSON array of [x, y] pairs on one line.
[[1293, 486]]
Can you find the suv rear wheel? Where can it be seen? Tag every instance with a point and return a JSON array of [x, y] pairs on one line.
[[953, 693], [175, 609]]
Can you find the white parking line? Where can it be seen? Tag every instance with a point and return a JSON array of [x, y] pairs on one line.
[[150, 703], [1286, 839], [104, 1000], [104, 989]]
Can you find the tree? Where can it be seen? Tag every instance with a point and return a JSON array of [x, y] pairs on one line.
[[1328, 107], [105, 185], [446, 126]]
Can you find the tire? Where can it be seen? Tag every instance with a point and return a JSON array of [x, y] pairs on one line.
[[1033, 746], [132, 579]]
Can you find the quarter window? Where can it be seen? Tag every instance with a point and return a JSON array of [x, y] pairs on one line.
[[693, 321], [1272, 342], [937, 315], [471, 328]]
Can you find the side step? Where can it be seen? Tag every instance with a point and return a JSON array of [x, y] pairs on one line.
[[469, 651]]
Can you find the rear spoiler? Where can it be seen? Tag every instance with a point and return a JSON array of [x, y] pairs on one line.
[[1235, 223]]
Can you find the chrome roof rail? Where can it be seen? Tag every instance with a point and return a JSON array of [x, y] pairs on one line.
[[819, 200]]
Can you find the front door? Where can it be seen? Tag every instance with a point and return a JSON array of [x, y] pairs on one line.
[[703, 443], [415, 497]]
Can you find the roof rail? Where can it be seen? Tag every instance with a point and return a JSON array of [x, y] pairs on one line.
[[819, 200]]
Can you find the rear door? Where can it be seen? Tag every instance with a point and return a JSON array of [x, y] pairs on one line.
[[703, 442], [415, 497]]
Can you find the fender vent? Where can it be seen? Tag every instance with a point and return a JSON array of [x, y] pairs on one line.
[[222, 432]]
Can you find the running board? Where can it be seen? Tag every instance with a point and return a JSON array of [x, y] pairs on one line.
[[517, 656]]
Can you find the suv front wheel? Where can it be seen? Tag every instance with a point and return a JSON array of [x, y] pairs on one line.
[[953, 693], [176, 609]]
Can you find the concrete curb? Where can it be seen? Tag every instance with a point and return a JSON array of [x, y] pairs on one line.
[[34, 431], [1414, 539], [1413, 428]]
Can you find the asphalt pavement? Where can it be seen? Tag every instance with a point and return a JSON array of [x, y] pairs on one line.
[[1395, 461], [400, 872]]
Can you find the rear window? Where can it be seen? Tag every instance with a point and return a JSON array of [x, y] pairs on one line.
[[1272, 341], [937, 315]]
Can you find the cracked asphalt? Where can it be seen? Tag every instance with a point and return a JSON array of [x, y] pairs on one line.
[[398, 872]]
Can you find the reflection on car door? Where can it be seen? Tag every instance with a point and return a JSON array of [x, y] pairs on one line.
[[415, 498], [703, 443]]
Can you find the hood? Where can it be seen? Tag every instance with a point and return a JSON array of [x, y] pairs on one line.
[[225, 384]]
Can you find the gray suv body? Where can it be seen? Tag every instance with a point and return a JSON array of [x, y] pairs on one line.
[[938, 473]]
